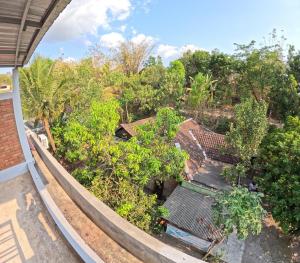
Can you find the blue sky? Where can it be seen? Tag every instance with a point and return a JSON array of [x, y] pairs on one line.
[[172, 25]]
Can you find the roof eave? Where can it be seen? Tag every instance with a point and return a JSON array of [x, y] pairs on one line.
[[53, 12]]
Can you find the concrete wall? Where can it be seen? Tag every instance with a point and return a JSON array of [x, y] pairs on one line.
[[130, 237], [10, 148]]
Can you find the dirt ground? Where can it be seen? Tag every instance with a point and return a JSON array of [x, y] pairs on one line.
[[271, 246]]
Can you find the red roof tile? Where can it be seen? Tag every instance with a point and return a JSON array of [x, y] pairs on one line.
[[214, 145], [187, 143]]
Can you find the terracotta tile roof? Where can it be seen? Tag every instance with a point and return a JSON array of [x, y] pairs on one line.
[[187, 143], [214, 145], [192, 211], [130, 128]]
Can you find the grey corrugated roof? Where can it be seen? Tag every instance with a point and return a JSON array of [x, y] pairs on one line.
[[192, 212], [23, 24]]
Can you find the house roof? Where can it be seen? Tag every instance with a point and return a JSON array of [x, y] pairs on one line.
[[192, 211], [209, 175], [23, 24], [214, 145], [189, 144], [130, 128]]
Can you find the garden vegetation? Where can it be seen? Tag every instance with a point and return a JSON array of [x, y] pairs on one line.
[[81, 104]]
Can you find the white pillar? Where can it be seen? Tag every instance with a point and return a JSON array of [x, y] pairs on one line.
[[19, 117]]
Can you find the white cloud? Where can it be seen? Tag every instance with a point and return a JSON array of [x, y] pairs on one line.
[[167, 51], [86, 16], [140, 38], [88, 43], [189, 47], [133, 31], [111, 40], [114, 39], [146, 6], [123, 28], [69, 60]]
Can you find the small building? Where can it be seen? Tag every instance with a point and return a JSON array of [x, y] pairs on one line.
[[190, 216]]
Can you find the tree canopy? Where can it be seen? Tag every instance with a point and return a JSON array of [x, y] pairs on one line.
[[82, 103], [279, 164], [248, 129], [239, 210]]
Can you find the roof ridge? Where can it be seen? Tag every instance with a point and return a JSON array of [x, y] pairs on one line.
[[199, 189]]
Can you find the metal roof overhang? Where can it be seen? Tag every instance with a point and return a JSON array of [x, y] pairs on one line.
[[23, 23]]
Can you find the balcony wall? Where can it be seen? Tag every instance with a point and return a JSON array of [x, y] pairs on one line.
[[136, 241], [10, 148]]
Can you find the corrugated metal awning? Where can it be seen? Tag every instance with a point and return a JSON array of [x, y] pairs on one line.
[[23, 23]]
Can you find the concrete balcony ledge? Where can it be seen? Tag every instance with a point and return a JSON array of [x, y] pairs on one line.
[[134, 240]]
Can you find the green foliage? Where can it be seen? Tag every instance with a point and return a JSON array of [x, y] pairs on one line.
[[195, 62], [177, 68], [234, 173], [86, 135], [249, 128], [217, 124], [158, 137], [285, 99], [132, 161], [294, 63], [86, 81], [239, 210], [279, 162], [117, 172], [128, 200], [259, 71], [224, 69], [43, 95], [200, 94], [167, 123], [172, 88], [138, 98], [154, 73]]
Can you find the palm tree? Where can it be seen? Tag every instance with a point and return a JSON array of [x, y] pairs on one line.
[[43, 93]]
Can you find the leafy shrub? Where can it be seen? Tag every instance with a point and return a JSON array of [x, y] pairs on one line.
[[127, 200]]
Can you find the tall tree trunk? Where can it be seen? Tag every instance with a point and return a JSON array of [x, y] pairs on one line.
[[49, 134], [127, 114]]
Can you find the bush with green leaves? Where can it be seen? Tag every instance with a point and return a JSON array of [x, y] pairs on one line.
[[239, 210], [248, 130], [233, 174], [159, 138], [129, 201], [279, 165], [172, 88], [86, 134]]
